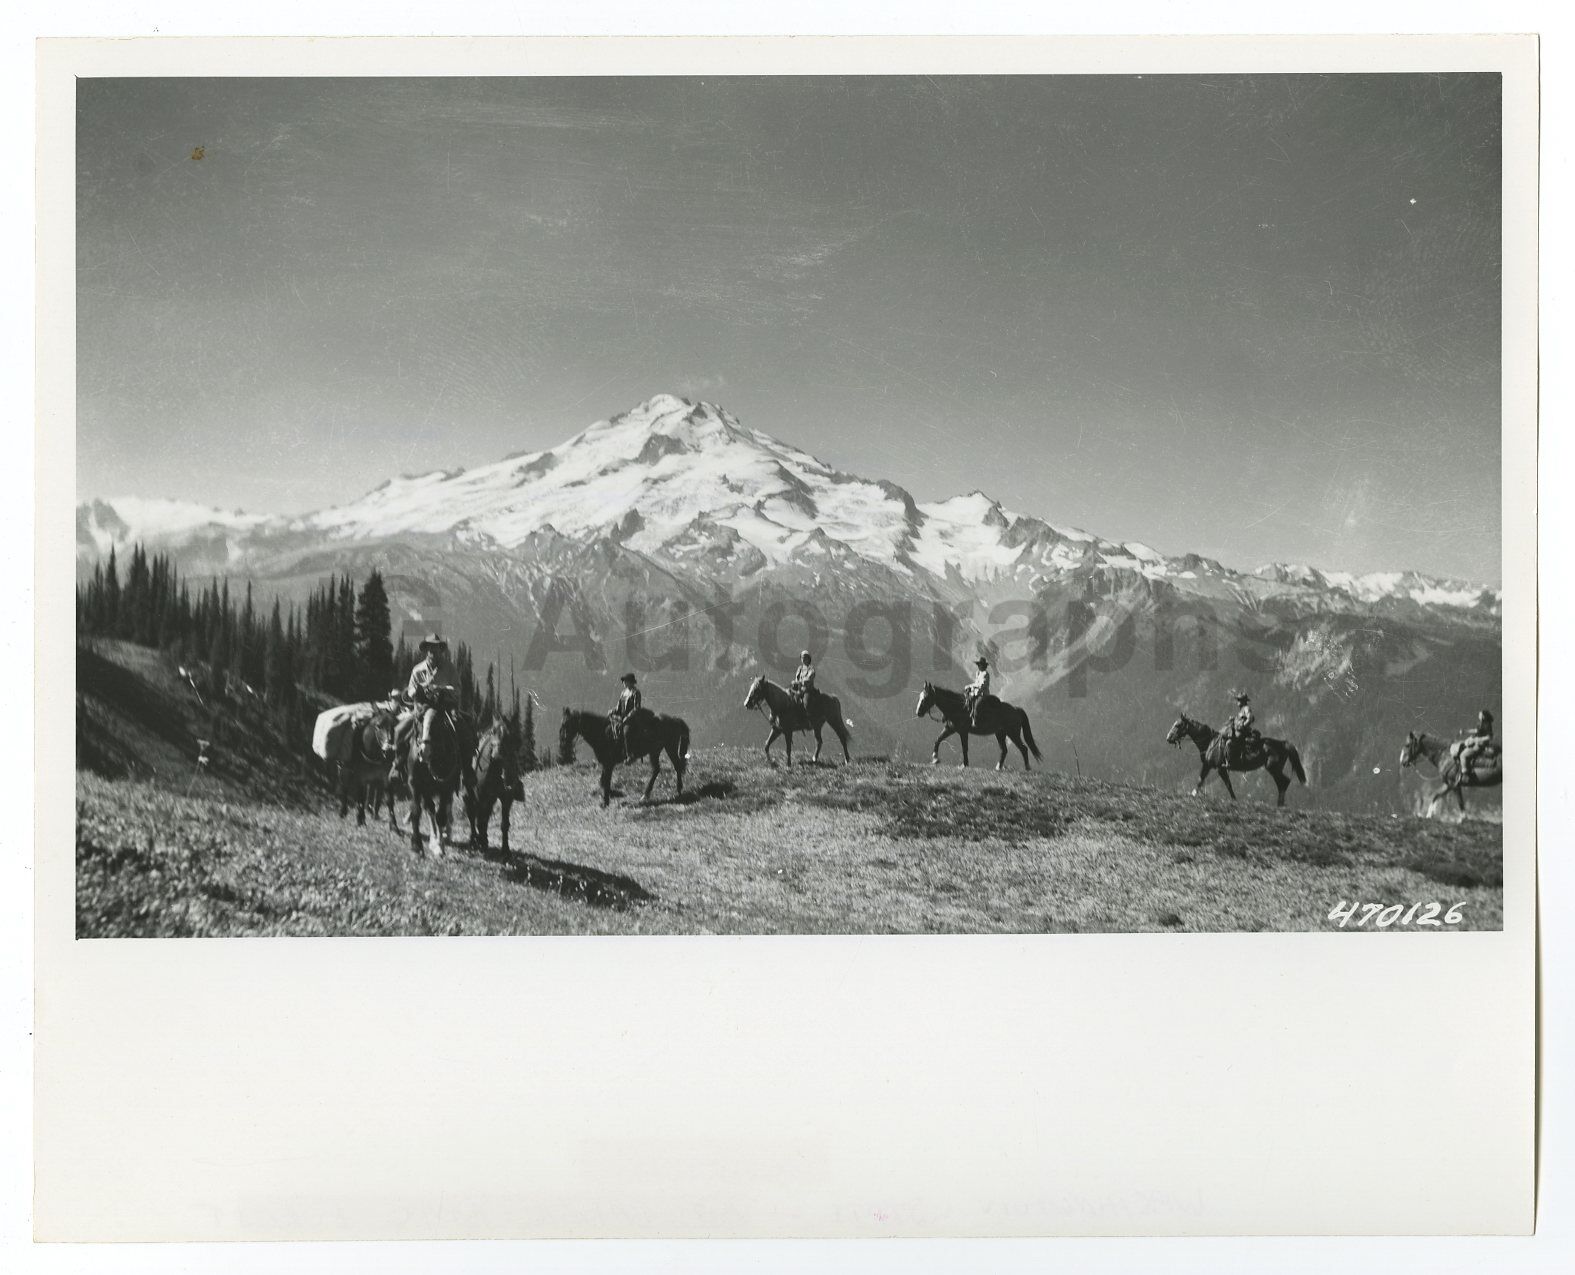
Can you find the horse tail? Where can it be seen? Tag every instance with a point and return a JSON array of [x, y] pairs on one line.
[[1296, 762], [1028, 735], [683, 746]]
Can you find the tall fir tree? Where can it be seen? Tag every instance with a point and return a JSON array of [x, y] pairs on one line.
[[374, 649]]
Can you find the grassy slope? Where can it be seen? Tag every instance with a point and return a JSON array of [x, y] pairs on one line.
[[876, 847]]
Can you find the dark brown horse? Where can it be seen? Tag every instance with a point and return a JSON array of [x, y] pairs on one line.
[[996, 717], [786, 716], [648, 735], [493, 778], [435, 777], [1263, 753], [1486, 772], [365, 772]]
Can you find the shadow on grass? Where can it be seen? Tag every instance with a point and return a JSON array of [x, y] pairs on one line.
[[576, 882]]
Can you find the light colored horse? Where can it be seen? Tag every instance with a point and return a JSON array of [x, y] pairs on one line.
[[1486, 773]]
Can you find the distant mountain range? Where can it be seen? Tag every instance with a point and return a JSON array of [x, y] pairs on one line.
[[676, 539]]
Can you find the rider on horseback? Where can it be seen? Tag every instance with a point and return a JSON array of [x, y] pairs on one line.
[[976, 690], [430, 677], [1478, 740], [1239, 732], [628, 705], [803, 686]]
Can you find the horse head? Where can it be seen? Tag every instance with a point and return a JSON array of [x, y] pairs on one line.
[[1412, 748], [1179, 731], [757, 688], [926, 699]]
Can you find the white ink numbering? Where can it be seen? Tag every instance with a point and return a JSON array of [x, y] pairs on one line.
[[1382, 916]]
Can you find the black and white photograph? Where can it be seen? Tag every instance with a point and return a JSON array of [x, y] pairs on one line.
[[787, 638], [789, 504]]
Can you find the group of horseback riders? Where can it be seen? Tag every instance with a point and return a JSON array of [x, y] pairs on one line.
[[431, 684], [1240, 736], [431, 688]]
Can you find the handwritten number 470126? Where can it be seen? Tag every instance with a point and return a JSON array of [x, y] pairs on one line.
[[1382, 916]]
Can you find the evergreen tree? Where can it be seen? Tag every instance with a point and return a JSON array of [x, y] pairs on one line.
[[374, 650], [109, 620]]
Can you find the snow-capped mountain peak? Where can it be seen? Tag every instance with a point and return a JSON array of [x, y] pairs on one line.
[[684, 482]]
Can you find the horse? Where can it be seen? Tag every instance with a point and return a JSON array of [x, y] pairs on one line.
[[366, 770], [493, 777], [1271, 754], [786, 716], [1481, 775], [996, 717], [648, 734], [434, 779]]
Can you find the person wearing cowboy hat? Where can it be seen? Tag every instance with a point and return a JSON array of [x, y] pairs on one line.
[[1478, 740], [976, 690], [1239, 730], [629, 703], [432, 673], [803, 686]]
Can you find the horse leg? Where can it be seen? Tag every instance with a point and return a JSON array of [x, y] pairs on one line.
[[819, 744], [415, 817], [771, 739], [506, 805], [1018, 740], [842, 737], [1460, 796], [435, 826], [1000, 738], [607, 770], [1225, 779], [674, 756], [1281, 783], [962, 738], [935, 753], [480, 822], [656, 765], [1203, 778], [788, 739]]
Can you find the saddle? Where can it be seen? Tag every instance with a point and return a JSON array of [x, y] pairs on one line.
[[1234, 752], [627, 730]]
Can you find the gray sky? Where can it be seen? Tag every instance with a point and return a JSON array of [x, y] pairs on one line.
[[1252, 317]]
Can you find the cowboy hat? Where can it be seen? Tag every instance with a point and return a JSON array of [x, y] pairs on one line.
[[981, 662], [628, 678], [1241, 697], [803, 655], [432, 642]]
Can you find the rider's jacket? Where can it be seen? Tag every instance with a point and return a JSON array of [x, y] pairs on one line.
[[427, 676], [804, 679], [628, 702], [980, 686], [1242, 722]]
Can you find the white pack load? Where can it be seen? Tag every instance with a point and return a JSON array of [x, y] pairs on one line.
[[334, 733]]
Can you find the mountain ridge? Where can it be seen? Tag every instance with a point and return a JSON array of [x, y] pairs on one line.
[[673, 470]]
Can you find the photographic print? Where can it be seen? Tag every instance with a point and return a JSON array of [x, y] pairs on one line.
[[808, 504]]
